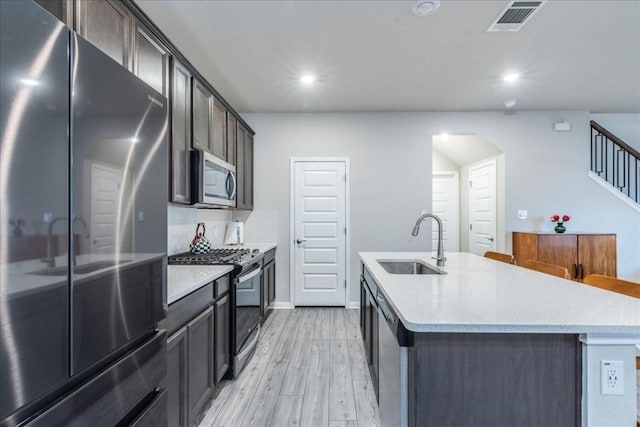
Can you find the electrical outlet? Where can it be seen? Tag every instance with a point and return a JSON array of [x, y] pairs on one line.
[[612, 377], [523, 214]]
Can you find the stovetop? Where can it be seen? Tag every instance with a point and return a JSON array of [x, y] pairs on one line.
[[215, 257]]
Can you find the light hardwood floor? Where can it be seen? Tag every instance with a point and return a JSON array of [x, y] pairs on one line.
[[309, 369]]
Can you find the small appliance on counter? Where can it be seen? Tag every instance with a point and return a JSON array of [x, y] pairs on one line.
[[234, 234]]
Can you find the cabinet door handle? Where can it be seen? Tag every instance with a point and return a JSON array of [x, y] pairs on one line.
[[581, 272], [575, 271]]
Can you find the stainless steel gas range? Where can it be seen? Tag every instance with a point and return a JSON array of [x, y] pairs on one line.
[[245, 298]]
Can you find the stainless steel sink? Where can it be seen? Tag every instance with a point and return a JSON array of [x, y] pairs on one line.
[[79, 269], [398, 266]]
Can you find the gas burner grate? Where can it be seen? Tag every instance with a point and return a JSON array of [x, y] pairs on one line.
[[216, 256]]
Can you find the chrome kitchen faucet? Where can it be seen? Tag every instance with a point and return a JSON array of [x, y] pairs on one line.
[[440, 255]]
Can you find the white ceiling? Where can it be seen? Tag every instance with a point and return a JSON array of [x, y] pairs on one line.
[[378, 56], [464, 149]]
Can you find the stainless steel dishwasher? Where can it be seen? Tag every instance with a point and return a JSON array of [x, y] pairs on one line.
[[393, 369]]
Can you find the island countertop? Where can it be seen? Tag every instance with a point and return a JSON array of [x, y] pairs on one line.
[[482, 295]]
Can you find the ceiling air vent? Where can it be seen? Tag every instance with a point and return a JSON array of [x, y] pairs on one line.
[[515, 15]]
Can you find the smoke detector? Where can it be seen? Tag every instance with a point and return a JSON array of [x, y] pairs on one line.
[[515, 15], [425, 7], [510, 103]]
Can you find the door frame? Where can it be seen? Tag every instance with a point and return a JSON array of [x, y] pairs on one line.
[[347, 243], [482, 163], [456, 210]]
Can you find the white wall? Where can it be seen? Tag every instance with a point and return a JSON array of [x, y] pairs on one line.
[[390, 157], [391, 176], [624, 126], [441, 163]]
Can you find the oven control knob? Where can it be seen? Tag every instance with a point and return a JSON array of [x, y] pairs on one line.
[[256, 251]]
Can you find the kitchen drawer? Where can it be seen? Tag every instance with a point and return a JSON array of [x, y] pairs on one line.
[[223, 284], [186, 308]]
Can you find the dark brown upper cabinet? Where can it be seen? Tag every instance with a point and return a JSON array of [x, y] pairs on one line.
[[244, 168], [231, 138], [109, 26], [219, 129], [151, 60], [202, 126], [180, 133]]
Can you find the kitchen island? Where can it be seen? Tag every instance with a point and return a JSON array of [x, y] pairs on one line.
[[489, 343]]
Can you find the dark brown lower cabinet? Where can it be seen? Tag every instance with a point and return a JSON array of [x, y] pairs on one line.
[[177, 379], [200, 359], [190, 356], [271, 288], [198, 351], [487, 380], [475, 379], [369, 327], [223, 337], [268, 291]]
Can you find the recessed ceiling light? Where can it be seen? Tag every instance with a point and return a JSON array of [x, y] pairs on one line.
[[425, 7], [510, 78], [444, 136], [307, 79], [510, 103]]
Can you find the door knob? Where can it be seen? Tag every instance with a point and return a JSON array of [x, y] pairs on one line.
[[300, 241], [489, 238]]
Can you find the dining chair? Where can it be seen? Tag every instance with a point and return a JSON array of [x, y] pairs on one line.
[[543, 267], [613, 284], [509, 259]]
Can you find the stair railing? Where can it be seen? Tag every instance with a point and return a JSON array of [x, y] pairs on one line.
[[615, 161]]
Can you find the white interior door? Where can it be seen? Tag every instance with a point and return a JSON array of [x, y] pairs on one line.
[[445, 205], [319, 232], [105, 192], [482, 207]]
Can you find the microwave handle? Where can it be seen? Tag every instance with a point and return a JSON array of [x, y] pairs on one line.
[[233, 185]]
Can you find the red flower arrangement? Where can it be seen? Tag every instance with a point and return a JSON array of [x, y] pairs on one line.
[[556, 218]]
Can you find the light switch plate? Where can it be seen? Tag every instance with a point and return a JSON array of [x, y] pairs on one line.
[[612, 377], [523, 214]]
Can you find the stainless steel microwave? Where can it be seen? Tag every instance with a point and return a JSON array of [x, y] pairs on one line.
[[213, 181]]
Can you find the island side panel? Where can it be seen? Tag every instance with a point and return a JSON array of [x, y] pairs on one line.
[[495, 380]]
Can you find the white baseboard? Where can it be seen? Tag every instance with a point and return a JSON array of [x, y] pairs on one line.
[[286, 305], [604, 184]]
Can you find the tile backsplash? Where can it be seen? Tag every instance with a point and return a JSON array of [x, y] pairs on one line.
[[260, 226], [181, 226]]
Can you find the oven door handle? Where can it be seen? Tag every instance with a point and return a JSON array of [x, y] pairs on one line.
[[254, 273]]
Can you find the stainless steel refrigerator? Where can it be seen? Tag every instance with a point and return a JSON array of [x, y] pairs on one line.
[[83, 205]]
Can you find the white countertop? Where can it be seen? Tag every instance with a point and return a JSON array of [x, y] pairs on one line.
[[483, 295], [184, 279]]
